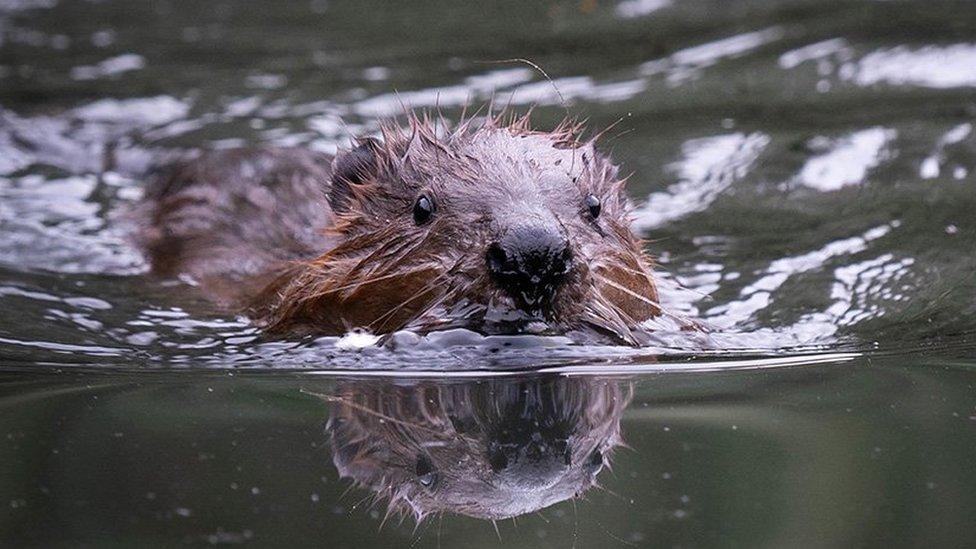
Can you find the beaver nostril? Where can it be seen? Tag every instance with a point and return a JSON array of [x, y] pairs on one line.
[[498, 260], [497, 460]]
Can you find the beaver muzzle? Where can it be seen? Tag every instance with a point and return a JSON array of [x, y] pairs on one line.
[[530, 263]]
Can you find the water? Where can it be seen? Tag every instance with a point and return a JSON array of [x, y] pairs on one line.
[[805, 178]]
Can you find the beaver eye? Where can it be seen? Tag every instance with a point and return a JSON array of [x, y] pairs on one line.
[[425, 472], [596, 458], [423, 209], [593, 205]]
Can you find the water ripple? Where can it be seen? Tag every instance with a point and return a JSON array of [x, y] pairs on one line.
[[931, 66], [710, 165]]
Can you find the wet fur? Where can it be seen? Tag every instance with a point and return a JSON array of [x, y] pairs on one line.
[[305, 244]]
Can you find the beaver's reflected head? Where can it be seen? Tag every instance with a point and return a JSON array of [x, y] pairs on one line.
[[492, 449]]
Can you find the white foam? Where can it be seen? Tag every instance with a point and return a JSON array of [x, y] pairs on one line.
[[356, 341]]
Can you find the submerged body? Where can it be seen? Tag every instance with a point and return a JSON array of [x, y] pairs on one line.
[[495, 227]]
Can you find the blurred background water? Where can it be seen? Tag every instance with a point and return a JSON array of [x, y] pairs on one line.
[[803, 172]]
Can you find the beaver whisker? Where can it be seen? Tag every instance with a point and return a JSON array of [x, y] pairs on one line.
[[629, 270], [639, 297], [367, 410], [358, 283], [605, 314], [673, 280], [610, 326], [455, 317], [398, 251], [426, 289], [624, 289], [449, 295]]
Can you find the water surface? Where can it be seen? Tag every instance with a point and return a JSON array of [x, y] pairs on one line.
[[804, 176]]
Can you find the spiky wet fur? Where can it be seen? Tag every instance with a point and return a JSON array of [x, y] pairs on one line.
[[374, 268]]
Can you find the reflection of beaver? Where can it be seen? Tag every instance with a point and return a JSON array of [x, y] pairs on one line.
[[493, 226], [485, 449]]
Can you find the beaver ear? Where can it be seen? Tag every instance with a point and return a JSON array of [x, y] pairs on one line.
[[352, 168]]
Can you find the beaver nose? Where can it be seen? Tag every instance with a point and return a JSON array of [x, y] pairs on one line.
[[534, 464], [530, 263]]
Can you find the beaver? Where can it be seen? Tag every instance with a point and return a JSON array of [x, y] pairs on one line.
[[492, 226], [487, 449]]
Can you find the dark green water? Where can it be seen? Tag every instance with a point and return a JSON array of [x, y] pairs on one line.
[[804, 172]]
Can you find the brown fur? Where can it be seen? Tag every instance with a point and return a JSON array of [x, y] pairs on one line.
[[266, 238], [433, 447]]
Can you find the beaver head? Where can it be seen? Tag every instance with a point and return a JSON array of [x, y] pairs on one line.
[[493, 226], [490, 450]]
